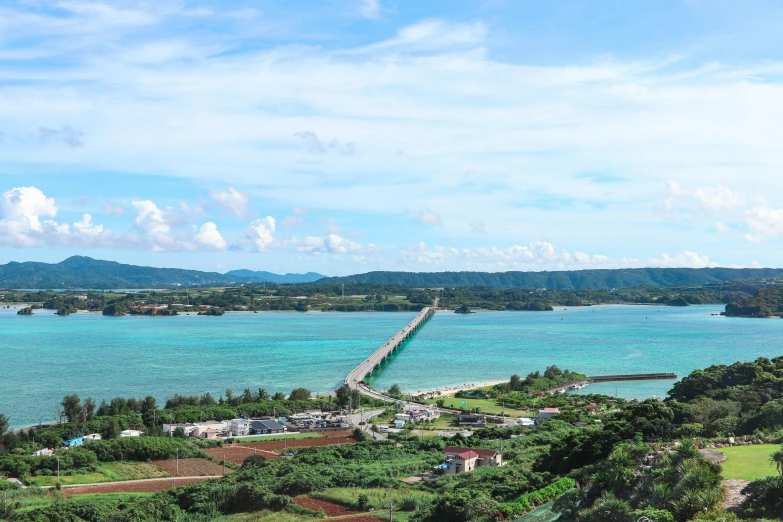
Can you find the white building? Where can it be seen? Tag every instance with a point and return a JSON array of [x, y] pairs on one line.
[[169, 429], [239, 427], [130, 433], [547, 413]]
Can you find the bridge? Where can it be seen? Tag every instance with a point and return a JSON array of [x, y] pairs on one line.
[[355, 379]]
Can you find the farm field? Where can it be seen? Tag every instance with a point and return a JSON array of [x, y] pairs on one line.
[[238, 454], [131, 470], [377, 497], [87, 478], [489, 406], [191, 467], [331, 509], [290, 436], [136, 486], [748, 462]]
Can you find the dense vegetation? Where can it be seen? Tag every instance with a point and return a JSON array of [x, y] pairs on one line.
[[766, 302], [640, 459], [569, 279]]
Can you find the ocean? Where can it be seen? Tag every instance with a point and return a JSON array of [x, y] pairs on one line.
[[44, 356]]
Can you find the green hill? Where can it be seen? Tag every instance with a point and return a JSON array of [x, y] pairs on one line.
[[568, 279], [767, 302]]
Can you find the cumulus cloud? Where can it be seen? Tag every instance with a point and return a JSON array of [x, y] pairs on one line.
[[209, 237], [232, 201], [261, 233], [66, 135], [315, 145], [755, 219], [371, 9], [429, 218], [332, 243], [537, 255], [21, 210]]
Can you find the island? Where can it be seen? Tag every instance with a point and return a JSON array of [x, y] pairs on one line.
[[25, 311], [464, 309], [767, 302]]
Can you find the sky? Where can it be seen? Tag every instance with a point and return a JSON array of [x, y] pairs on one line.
[[346, 136]]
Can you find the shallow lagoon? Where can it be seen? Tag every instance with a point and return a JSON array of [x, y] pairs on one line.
[[43, 357]]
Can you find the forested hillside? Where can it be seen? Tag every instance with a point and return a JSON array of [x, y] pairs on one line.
[[766, 303], [570, 279]]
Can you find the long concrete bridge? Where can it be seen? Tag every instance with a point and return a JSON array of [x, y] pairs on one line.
[[355, 379]]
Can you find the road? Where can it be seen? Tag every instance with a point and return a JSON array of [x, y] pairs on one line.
[[356, 418]]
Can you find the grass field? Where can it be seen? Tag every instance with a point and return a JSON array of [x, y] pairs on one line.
[[266, 438], [87, 478], [377, 497], [748, 462], [484, 405], [131, 470]]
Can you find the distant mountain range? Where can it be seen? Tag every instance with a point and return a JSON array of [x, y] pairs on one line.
[[85, 272], [269, 277], [567, 279]]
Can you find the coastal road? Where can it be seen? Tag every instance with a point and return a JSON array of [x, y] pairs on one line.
[[366, 416]]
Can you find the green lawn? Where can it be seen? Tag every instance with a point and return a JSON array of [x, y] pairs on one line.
[[748, 462], [484, 405], [267, 438]]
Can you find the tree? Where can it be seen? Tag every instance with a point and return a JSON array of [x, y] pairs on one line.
[[262, 394], [110, 429], [395, 390], [103, 409], [776, 458], [179, 432], [515, 383], [278, 396], [343, 395], [88, 409], [71, 407], [299, 394]]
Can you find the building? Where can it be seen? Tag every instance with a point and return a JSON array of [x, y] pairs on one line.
[[515, 423], [420, 411], [72, 443], [130, 433], [265, 427], [239, 427], [473, 420], [547, 413], [169, 429], [463, 460]]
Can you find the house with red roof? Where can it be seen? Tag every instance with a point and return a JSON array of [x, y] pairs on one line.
[[463, 460]]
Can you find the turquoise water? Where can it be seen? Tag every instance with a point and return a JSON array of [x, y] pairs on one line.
[[44, 357], [601, 340]]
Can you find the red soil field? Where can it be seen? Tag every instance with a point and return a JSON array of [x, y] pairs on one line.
[[144, 486], [237, 454], [191, 467], [332, 510]]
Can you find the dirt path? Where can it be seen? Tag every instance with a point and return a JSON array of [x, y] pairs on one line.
[[734, 498]]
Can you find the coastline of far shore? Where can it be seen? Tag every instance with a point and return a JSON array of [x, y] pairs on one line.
[[448, 391]]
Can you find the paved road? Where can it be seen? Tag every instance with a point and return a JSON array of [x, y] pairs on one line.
[[356, 418]]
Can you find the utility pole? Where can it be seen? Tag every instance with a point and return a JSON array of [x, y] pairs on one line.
[[58, 470], [178, 462], [224, 463], [391, 516]]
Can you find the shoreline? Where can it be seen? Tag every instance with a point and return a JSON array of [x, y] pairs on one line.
[[449, 391]]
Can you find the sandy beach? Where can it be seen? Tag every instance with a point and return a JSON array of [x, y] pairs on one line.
[[448, 391]]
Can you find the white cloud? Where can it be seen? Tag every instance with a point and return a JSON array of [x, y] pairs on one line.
[[315, 145], [371, 9], [341, 245], [66, 135], [261, 233], [431, 34], [538, 255], [231, 201], [21, 210], [478, 228], [309, 244], [429, 218], [209, 238], [112, 210]]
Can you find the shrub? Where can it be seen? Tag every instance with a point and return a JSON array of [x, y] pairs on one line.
[[764, 498]]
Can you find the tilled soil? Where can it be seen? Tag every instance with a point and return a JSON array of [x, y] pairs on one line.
[[191, 467], [146, 486], [331, 509]]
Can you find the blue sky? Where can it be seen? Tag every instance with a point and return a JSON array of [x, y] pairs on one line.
[[353, 135]]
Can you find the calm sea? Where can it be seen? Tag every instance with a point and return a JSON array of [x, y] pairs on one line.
[[44, 357]]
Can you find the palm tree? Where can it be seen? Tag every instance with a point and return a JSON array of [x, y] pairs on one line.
[[777, 459]]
